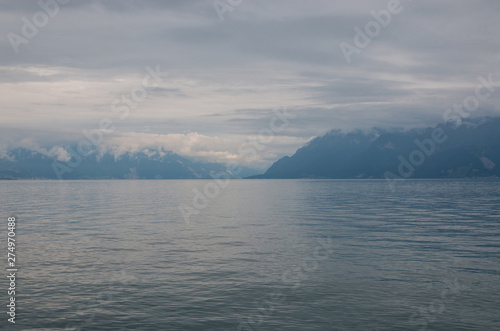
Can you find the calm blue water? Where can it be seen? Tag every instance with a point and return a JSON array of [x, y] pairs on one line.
[[261, 255]]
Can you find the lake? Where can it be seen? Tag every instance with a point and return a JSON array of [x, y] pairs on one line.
[[255, 254]]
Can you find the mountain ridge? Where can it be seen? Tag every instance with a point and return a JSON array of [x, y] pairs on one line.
[[23, 163], [469, 150]]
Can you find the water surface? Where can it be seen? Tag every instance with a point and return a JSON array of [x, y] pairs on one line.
[[262, 255]]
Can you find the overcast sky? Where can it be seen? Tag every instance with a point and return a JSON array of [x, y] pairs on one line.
[[227, 76]]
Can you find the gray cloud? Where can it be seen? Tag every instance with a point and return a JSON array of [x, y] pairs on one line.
[[226, 77]]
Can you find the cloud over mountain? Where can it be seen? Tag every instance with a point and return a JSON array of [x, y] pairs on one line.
[[223, 78]]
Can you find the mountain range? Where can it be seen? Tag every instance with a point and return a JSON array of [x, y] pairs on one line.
[[23, 163], [469, 150]]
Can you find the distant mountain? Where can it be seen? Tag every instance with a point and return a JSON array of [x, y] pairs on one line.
[[27, 164], [470, 150]]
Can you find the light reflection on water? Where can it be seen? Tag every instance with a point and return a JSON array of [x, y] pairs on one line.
[[112, 255]]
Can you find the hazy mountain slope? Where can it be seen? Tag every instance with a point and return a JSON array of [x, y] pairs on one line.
[[471, 150], [27, 164]]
